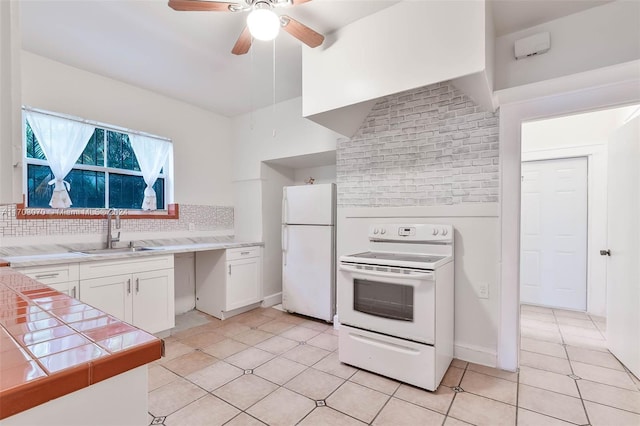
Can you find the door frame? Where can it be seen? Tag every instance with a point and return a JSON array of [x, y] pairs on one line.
[[512, 115], [596, 156]]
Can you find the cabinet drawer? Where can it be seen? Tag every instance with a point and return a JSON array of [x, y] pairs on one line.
[[107, 268], [52, 274], [70, 288], [243, 253]]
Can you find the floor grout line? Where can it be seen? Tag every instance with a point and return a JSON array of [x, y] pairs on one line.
[[584, 407], [548, 415]]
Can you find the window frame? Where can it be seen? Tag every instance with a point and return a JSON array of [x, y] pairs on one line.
[[166, 175]]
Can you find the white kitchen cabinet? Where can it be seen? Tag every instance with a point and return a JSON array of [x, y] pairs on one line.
[[243, 282], [124, 289], [63, 277], [109, 294], [228, 282], [153, 300]]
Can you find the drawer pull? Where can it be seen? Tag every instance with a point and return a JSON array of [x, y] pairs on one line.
[[137, 285], [244, 252], [73, 292], [229, 269], [42, 276], [129, 286]]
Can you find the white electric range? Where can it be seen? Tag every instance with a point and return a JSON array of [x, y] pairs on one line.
[[395, 303]]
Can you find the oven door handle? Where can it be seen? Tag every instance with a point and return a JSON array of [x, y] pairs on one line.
[[421, 275]]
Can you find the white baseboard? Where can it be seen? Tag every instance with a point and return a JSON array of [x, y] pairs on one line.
[[272, 300], [476, 354]]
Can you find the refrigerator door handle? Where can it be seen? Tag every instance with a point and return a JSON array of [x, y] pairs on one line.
[[284, 244], [284, 206]]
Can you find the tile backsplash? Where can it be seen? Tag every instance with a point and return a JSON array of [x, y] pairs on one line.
[[429, 146], [192, 218]]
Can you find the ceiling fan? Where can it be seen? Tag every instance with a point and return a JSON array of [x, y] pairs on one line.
[[262, 22]]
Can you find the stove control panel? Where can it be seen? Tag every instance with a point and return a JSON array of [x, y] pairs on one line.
[[406, 231], [411, 232]]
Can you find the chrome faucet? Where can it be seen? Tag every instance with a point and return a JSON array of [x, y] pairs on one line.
[[110, 239]]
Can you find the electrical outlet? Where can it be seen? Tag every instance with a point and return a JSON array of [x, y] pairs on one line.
[[483, 291]]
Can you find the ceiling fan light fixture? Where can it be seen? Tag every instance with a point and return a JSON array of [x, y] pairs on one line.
[[263, 24]]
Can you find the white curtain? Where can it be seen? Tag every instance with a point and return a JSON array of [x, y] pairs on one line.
[[62, 142], [152, 156]]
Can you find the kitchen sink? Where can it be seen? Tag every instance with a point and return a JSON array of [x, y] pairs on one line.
[[116, 250]]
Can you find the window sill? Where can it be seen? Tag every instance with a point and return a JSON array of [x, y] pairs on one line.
[[29, 213]]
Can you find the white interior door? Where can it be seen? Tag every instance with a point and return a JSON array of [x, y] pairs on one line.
[[553, 258], [623, 269]]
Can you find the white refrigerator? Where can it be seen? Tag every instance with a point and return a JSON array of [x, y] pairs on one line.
[[308, 250]]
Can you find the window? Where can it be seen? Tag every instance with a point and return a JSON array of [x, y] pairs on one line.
[[106, 175]]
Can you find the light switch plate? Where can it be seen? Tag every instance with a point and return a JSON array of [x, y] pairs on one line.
[[483, 291]]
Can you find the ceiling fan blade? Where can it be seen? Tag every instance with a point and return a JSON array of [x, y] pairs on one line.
[[297, 2], [243, 44], [302, 32], [200, 5]]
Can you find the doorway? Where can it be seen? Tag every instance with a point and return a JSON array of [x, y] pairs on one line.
[[553, 259], [512, 117], [564, 209]]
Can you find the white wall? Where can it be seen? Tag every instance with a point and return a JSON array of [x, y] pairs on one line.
[[254, 140], [247, 219], [479, 86], [321, 174], [596, 38], [591, 128], [10, 118], [202, 139], [407, 45], [258, 186], [582, 135]]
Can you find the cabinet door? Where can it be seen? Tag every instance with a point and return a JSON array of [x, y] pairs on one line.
[[244, 283], [153, 300], [109, 294]]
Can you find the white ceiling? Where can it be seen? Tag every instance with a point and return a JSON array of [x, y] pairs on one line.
[[514, 15], [187, 55]]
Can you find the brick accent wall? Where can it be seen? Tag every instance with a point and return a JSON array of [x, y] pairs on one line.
[[203, 218], [424, 147]]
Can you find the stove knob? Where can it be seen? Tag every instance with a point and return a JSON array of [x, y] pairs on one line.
[[435, 231], [383, 231], [375, 230], [444, 231]]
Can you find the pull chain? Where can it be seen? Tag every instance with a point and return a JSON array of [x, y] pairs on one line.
[[273, 106], [251, 90]]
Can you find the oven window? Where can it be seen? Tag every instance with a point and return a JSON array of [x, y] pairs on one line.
[[383, 299]]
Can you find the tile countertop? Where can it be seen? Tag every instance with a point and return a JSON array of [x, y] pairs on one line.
[[25, 256], [52, 344]]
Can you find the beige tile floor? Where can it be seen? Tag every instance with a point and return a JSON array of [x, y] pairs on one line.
[[268, 367]]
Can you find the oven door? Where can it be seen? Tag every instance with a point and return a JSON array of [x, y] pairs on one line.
[[396, 301]]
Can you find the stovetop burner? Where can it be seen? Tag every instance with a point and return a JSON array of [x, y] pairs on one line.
[[401, 257]]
